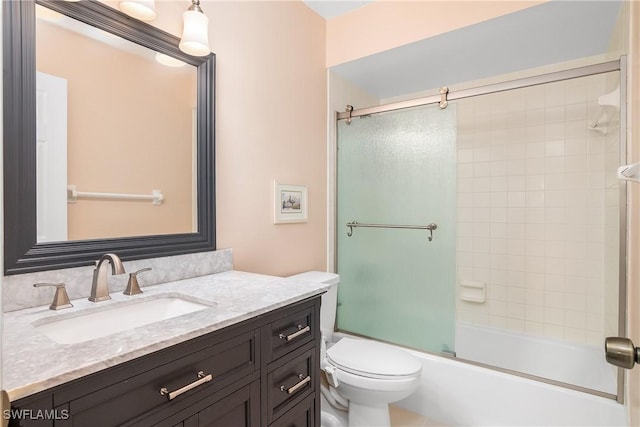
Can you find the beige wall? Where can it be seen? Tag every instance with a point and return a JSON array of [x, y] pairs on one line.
[[270, 125], [384, 25], [130, 122]]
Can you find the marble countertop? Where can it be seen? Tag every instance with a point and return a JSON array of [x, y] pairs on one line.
[[32, 362]]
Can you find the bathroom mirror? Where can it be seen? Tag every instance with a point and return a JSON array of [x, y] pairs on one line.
[[25, 248], [99, 158]]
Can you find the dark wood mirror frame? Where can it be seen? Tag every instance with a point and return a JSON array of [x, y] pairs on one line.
[[22, 252]]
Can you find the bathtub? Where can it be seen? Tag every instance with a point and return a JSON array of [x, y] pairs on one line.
[[453, 393], [579, 364]]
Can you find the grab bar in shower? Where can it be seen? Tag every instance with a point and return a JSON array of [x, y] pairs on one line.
[[429, 227]]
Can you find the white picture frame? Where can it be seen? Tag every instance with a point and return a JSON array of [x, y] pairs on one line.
[[290, 203]]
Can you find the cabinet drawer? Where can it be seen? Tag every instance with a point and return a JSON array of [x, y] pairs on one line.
[[237, 408], [290, 382], [302, 415], [226, 362], [292, 331]]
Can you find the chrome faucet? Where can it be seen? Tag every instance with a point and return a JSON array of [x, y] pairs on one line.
[[99, 286]]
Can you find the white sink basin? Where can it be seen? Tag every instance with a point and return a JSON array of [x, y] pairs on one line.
[[94, 324]]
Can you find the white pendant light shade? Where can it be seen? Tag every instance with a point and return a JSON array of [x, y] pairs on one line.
[[195, 33], [169, 61], [144, 10]]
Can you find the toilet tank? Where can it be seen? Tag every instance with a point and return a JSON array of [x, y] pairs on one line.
[[329, 299]]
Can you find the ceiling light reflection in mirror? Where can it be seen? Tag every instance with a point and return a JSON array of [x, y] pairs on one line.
[[144, 10], [111, 119]]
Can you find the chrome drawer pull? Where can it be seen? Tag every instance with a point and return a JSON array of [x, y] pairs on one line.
[[298, 386], [173, 394], [295, 334]]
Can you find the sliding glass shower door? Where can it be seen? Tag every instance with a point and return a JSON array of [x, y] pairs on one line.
[[526, 266], [398, 284]]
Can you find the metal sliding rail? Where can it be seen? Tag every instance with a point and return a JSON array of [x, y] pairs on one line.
[[483, 90]]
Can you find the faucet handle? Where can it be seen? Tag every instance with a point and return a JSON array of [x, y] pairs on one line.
[[60, 299], [133, 288]]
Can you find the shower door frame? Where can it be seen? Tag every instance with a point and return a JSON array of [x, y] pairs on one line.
[[584, 71]]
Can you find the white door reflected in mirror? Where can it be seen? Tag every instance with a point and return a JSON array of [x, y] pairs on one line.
[[51, 157]]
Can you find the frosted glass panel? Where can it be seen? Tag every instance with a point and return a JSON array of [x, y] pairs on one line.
[[398, 168]]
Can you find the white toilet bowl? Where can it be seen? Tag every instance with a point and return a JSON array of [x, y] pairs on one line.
[[370, 375], [367, 374]]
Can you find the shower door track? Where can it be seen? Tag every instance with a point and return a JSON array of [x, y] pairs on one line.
[[573, 73], [600, 68]]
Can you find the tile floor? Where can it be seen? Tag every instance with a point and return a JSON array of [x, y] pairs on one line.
[[403, 418]]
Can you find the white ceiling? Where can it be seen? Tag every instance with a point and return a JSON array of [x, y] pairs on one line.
[[550, 33], [331, 8]]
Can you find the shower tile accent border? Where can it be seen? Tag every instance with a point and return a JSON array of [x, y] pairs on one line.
[[18, 292]]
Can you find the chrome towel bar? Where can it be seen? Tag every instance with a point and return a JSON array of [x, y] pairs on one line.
[[429, 227]]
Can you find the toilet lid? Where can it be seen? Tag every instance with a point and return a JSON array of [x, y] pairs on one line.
[[373, 359]]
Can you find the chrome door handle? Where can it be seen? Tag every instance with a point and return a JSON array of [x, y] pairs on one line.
[[295, 335], [297, 386], [621, 352], [173, 394]]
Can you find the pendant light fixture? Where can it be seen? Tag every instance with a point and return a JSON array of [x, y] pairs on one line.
[[169, 61], [195, 32], [144, 10]]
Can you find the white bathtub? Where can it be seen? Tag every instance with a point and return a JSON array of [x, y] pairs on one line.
[[454, 393], [578, 364]]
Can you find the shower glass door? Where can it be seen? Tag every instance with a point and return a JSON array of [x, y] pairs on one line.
[[397, 285], [527, 263]]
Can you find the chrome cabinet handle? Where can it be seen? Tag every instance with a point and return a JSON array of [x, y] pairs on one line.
[[295, 335], [298, 386], [173, 394]]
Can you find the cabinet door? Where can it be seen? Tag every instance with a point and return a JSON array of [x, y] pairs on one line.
[[303, 415], [34, 412], [290, 381], [192, 421], [238, 409], [224, 363]]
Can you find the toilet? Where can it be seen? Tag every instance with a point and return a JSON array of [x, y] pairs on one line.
[[363, 375]]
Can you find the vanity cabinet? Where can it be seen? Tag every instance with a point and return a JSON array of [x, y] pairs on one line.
[[239, 408], [260, 372]]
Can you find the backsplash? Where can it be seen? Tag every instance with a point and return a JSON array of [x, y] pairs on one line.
[[18, 292]]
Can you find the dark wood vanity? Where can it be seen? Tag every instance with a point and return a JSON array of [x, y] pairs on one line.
[[260, 372]]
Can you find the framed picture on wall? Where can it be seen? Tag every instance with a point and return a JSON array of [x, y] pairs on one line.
[[290, 203]]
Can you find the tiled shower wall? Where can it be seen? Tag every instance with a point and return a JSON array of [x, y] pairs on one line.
[[538, 209]]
